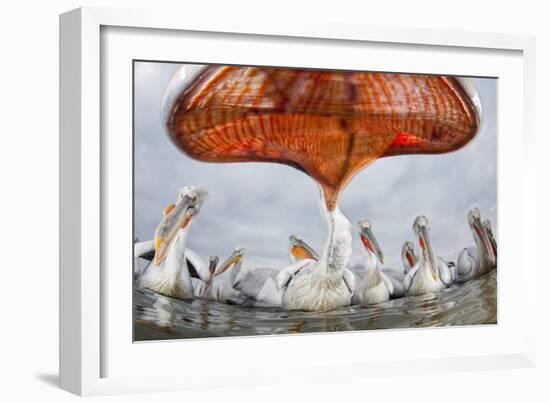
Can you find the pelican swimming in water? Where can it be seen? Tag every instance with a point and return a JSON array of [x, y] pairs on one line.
[[480, 259], [408, 256], [204, 290], [320, 285], [220, 286], [265, 285], [376, 284], [430, 274], [169, 273]]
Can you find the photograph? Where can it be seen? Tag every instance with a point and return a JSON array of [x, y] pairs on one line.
[[271, 200]]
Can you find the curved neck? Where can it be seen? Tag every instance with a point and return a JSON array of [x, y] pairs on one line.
[[337, 250], [176, 255], [370, 261]]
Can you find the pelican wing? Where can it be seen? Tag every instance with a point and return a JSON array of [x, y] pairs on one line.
[[270, 294], [447, 272], [466, 263], [285, 275], [359, 271], [144, 250], [350, 280], [250, 281], [396, 278], [388, 281], [196, 265], [409, 277]]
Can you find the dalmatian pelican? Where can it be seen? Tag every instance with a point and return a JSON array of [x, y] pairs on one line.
[[324, 284], [169, 272], [204, 290], [376, 284], [480, 259], [266, 285], [430, 274], [220, 285]]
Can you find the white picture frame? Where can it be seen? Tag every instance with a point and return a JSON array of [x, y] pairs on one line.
[[96, 355]]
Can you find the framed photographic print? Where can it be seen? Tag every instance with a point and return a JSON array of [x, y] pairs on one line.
[[234, 193], [328, 125]]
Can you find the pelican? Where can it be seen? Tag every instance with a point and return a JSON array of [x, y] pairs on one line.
[[204, 290], [377, 284], [261, 284], [430, 273], [169, 273], [480, 259], [320, 285], [220, 286], [408, 256]]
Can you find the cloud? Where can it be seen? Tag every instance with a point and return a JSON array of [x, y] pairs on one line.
[[258, 205]]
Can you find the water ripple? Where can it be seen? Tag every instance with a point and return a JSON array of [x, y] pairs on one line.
[[158, 317]]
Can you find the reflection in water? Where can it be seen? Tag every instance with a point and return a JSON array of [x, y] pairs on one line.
[[158, 317]]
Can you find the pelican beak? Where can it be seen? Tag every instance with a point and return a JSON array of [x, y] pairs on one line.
[[301, 250], [175, 218], [426, 247], [370, 242], [235, 258], [484, 237], [493, 243], [160, 250]]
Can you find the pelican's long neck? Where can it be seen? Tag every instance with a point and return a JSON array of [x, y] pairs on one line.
[[370, 261], [176, 255], [337, 250]]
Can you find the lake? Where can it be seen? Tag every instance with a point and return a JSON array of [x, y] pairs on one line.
[[157, 317]]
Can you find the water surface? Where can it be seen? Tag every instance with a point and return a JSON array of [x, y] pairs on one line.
[[157, 317]]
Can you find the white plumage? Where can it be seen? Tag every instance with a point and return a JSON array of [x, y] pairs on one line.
[[171, 277], [475, 261], [220, 286], [169, 273], [430, 274], [320, 285], [375, 284]]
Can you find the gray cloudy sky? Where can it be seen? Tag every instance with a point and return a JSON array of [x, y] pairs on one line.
[[258, 205]]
